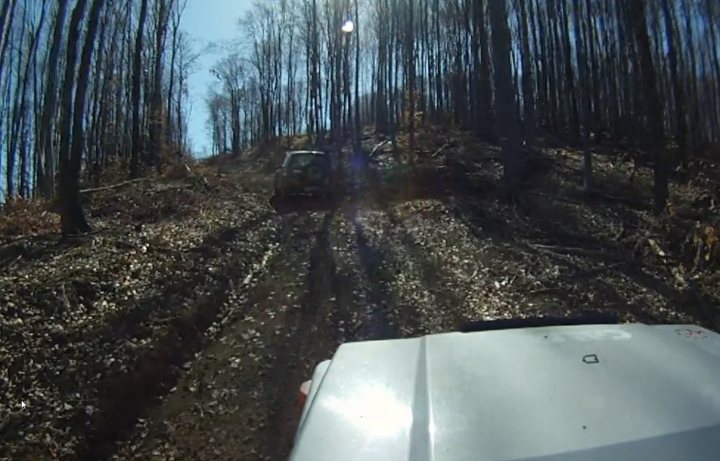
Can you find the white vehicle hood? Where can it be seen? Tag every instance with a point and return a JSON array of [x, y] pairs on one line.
[[591, 392]]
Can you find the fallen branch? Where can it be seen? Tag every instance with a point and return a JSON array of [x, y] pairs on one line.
[[624, 201], [167, 187], [577, 251], [113, 186], [377, 148], [11, 241], [542, 291], [656, 248], [663, 256], [599, 270], [707, 309], [442, 148]]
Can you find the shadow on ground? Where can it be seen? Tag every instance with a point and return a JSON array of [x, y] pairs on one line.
[[596, 242]]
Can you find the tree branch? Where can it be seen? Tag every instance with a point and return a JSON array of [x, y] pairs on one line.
[[112, 186]]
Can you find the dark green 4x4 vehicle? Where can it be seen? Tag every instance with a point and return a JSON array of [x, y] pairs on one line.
[[304, 172]]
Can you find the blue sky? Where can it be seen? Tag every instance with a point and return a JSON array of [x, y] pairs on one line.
[[208, 21]]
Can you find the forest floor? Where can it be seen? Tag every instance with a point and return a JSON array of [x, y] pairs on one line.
[[183, 325]]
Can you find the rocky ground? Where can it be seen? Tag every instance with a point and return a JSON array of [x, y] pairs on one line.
[[182, 327]]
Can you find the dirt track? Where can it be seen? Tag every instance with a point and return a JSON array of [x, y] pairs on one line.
[[184, 325], [332, 275], [374, 268]]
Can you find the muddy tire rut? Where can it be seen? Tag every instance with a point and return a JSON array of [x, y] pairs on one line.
[[333, 277]]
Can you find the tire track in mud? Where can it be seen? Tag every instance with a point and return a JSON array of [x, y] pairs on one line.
[[353, 273], [444, 272], [471, 265], [375, 261], [349, 294], [431, 272], [293, 319], [126, 395], [175, 428], [406, 279], [306, 341]]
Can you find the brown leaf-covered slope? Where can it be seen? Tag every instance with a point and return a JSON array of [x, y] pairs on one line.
[[91, 325]]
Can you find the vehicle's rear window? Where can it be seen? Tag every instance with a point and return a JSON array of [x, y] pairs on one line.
[[303, 160]]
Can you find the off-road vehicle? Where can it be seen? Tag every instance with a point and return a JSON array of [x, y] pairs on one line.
[[304, 173]]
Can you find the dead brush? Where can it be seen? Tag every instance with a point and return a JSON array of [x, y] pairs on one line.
[[24, 217]]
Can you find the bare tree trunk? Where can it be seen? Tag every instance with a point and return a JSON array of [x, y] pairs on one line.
[[157, 135], [358, 128], [410, 50], [19, 135], [73, 218], [439, 72], [486, 111], [693, 112], [569, 74], [677, 89], [137, 144], [655, 137], [505, 101], [83, 78], [169, 135], [527, 74], [178, 112], [7, 17], [585, 88], [316, 90], [14, 124], [47, 175], [712, 10], [381, 104]]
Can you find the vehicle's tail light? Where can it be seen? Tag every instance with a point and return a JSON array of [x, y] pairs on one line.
[[304, 391]]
